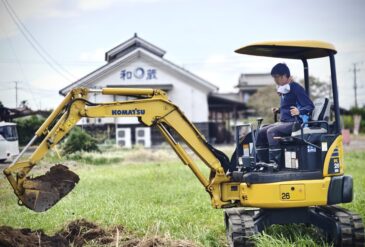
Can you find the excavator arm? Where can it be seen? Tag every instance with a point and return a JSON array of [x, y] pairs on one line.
[[151, 107]]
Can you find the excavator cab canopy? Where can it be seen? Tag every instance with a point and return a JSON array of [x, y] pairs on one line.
[[289, 49], [302, 50]]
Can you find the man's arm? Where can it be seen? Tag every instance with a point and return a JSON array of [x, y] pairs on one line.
[[306, 104]]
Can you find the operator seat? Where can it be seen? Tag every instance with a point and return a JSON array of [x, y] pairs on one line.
[[319, 116]]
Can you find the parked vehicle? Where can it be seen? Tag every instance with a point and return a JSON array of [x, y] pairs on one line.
[[9, 145]]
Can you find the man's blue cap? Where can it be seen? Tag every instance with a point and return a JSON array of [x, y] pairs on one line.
[[280, 69]]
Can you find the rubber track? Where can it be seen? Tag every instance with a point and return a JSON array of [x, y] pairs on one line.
[[243, 227], [351, 226]]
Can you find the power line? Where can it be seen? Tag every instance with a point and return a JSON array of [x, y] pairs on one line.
[[20, 66], [35, 44]]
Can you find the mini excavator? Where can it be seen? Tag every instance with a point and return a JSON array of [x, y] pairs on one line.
[[304, 188]]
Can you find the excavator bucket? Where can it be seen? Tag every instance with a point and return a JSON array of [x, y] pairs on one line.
[[42, 192]]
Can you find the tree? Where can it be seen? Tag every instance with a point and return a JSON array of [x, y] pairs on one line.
[[318, 88], [263, 101]]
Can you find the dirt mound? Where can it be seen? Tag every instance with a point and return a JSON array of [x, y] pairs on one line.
[[80, 233], [10, 237], [60, 178]]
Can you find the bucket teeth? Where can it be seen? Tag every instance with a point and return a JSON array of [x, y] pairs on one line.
[[42, 192]]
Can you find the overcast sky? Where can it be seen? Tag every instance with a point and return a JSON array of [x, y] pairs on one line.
[[198, 35]]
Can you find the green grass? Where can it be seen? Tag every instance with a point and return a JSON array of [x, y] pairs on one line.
[[355, 166], [159, 197]]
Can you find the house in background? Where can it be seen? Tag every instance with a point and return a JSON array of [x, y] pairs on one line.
[[140, 64], [249, 83]]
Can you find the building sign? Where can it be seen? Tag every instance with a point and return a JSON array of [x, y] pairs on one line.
[[139, 73]]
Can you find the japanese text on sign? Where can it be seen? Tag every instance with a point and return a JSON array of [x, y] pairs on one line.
[[138, 73]]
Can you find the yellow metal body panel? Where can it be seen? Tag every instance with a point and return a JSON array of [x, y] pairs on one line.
[[292, 192], [299, 49], [230, 191], [334, 155], [285, 194]]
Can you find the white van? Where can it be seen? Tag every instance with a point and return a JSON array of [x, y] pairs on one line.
[[9, 146]]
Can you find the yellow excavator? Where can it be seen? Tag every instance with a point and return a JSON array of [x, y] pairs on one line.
[[303, 188]]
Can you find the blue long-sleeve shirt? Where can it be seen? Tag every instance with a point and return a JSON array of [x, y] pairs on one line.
[[297, 97]]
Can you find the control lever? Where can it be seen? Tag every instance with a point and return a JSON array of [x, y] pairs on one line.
[[296, 125], [259, 122], [271, 167]]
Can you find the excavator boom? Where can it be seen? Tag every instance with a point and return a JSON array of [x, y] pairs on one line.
[[151, 107]]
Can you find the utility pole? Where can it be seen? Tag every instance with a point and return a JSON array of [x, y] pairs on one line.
[[355, 70], [357, 117], [16, 93]]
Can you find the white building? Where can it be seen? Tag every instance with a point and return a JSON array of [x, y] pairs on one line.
[[249, 83], [138, 63]]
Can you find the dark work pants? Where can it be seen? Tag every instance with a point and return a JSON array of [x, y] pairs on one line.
[[266, 134]]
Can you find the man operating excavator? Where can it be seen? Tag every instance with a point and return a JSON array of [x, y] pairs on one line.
[[295, 106]]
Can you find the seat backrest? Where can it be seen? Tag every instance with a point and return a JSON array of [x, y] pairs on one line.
[[321, 110]]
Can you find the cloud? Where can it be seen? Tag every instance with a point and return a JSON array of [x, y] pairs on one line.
[[96, 55], [224, 70], [24, 10], [219, 69], [91, 5], [86, 5], [35, 9]]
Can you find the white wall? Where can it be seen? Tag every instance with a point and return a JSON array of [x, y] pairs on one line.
[[188, 95], [259, 79]]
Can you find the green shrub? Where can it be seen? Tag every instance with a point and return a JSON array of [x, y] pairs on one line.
[[79, 140], [348, 122], [27, 127]]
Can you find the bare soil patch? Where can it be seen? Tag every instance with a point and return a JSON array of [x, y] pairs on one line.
[[82, 233]]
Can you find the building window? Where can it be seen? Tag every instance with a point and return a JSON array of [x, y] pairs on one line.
[[141, 133], [143, 136], [121, 134], [123, 137]]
